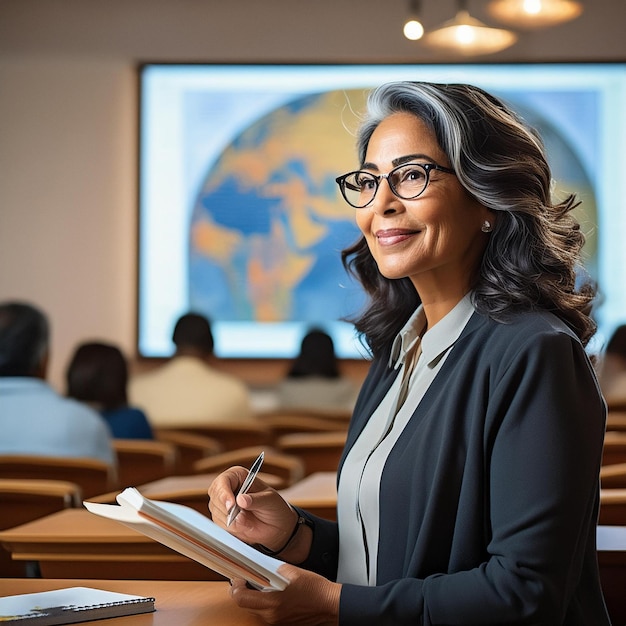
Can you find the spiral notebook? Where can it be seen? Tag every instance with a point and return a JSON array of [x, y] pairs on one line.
[[69, 606]]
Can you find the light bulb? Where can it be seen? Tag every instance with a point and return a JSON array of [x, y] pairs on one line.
[[465, 35], [532, 7], [413, 30]]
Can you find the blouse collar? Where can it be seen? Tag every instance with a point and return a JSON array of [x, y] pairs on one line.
[[437, 339]]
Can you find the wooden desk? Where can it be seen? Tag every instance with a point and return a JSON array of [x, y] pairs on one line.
[[178, 603], [611, 541], [316, 493], [75, 543]]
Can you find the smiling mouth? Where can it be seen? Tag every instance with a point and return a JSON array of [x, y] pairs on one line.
[[394, 236]]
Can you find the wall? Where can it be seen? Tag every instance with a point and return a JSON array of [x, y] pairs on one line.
[[68, 125]]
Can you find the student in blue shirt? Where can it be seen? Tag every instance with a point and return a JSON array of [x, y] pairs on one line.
[[34, 418]]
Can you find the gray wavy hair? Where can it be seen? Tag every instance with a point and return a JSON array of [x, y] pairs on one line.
[[533, 258]]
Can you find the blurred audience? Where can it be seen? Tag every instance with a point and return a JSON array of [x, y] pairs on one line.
[[34, 418], [188, 390], [612, 370], [314, 380], [98, 375]]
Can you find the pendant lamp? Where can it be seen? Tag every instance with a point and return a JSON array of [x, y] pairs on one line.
[[466, 35], [534, 13]]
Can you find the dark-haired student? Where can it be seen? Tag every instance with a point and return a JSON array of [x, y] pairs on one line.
[[314, 380], [98, 375], [468, 489], [34, 418]]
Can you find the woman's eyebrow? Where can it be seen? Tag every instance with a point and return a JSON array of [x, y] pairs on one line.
[[369, 166], [411, 157], [399, 161]]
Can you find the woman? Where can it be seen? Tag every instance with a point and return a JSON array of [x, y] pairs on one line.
[[468, 488], [98, 375]]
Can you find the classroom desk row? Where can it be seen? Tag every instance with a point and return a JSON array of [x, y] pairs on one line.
[[74, 543]]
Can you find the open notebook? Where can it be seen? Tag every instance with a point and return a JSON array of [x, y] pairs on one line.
[[69, 606], [194, 535]]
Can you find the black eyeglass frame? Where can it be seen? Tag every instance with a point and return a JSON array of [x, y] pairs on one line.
[[427, 167]]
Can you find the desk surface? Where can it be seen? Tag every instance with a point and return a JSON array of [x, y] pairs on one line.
[[76, 543], [317, 489], [178, 603]]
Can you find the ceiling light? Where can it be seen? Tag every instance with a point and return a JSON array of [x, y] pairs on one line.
[[413, 28], [469, 36], [534, 13]]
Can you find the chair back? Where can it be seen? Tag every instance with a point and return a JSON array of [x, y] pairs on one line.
[[140, 461], [612, 507], [614, 448], [616, 420], [23, 500], [613, 476], [91, 475], [288, 468], [191, 447], [335, 414], [285, 424], [320, 452], [231, 435]]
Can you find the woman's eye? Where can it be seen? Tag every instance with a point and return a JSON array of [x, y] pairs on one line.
[[414, 173], [366, 183]]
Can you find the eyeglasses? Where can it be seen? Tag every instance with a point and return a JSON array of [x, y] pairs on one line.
[[406, 181]]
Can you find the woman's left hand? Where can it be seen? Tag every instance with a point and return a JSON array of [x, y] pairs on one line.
[[308, 600]]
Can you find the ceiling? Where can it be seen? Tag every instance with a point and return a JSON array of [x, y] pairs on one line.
[[280, 30]]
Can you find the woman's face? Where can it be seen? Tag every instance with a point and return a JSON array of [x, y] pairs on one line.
[[434, 239]]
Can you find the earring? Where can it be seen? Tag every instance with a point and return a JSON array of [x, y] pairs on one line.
[[486, 227]]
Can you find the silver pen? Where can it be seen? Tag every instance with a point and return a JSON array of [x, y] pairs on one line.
[[245, 486]]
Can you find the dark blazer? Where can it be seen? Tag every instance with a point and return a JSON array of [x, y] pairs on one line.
[[489, 499]]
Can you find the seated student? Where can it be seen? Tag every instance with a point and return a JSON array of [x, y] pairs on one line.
[[98, 375], [34, 418], [188, 390], [314, 380]]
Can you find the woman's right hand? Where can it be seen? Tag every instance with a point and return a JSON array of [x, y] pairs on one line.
[[265, 517]]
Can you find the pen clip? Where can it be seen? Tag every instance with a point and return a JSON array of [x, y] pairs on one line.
[[245, 486]]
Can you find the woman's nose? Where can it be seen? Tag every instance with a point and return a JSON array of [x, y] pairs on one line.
[[385, 201]]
